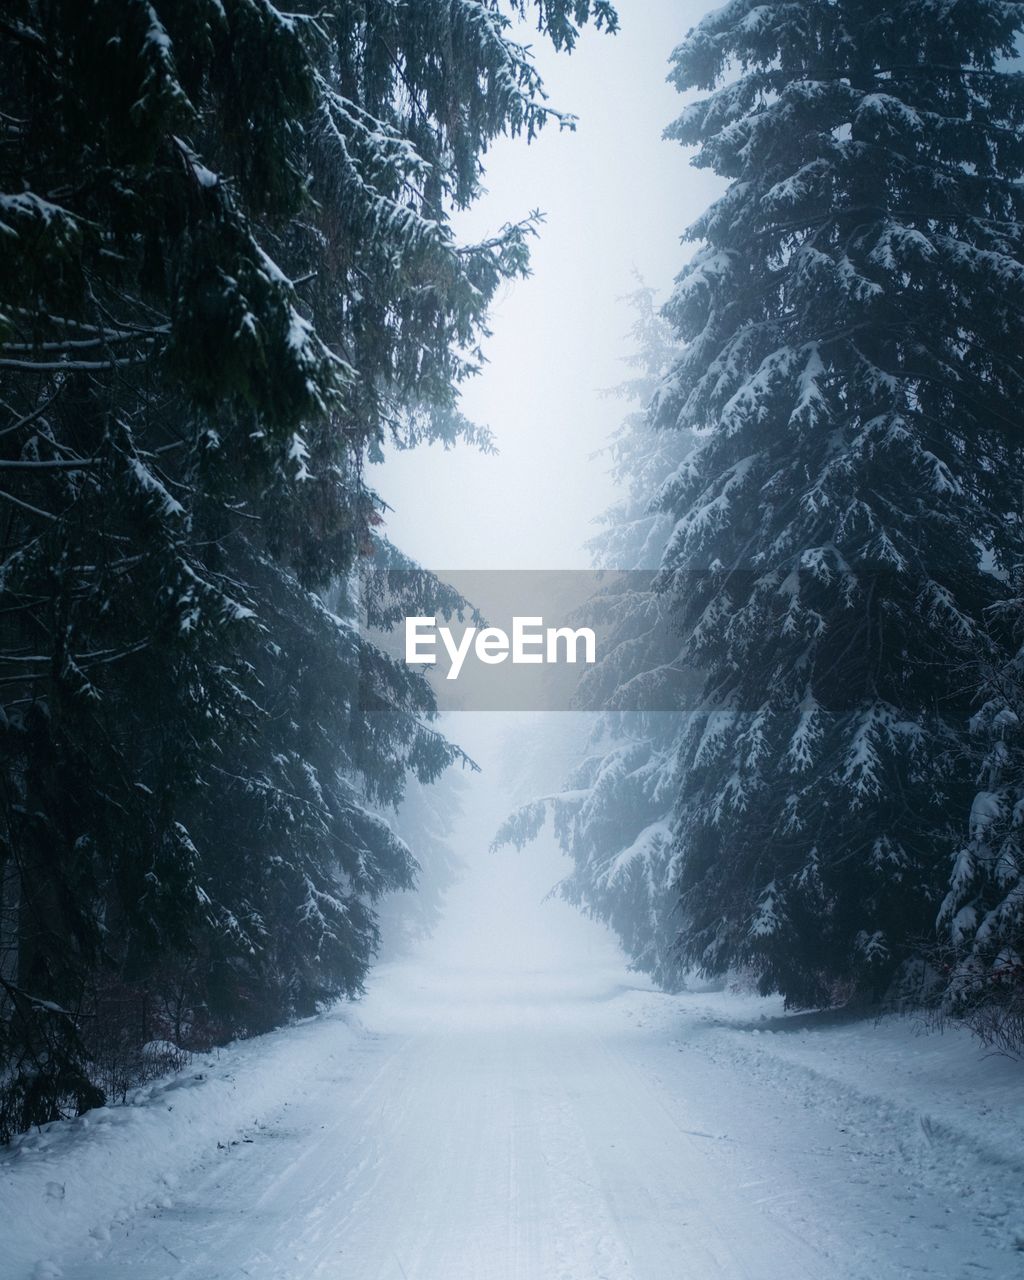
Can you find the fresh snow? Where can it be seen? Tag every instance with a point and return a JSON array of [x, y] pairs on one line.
[[511, 1104]]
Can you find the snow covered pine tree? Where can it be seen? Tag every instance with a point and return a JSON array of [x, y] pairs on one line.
[[980, 949], [228, 276], [855, 369], [427, 820]]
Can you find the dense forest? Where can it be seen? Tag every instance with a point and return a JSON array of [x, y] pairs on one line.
[[824, 477], [229, 278]]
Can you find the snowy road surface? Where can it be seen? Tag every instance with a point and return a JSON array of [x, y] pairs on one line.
[[501, 1146], [542, 1116]]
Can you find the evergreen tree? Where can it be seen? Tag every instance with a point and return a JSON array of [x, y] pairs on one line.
[[980, 949], [228, 277], [634, 531], [854, 372], [426, 820]]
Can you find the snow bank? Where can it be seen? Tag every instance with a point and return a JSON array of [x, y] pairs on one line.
[[72, 1179], [937, 1107]]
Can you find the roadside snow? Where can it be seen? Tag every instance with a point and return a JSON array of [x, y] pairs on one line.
[[73, 1182], [920, 1112]]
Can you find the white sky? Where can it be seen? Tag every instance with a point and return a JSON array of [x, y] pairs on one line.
[[616, 197]]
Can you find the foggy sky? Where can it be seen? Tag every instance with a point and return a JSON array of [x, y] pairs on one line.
[[617, 197]]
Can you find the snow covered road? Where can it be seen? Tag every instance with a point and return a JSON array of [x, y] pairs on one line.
[[499, 1147], [542, 1116], [547, 1131]]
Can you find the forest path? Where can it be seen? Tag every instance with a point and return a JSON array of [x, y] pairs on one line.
[[513, 1105], [493, 1131], [539, 1126]]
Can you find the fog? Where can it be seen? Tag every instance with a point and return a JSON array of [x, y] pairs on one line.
[[617, 199]]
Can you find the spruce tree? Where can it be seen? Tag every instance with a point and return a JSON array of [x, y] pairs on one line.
[[227, 277], [427, 820], [979, 953], [854, 371]]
